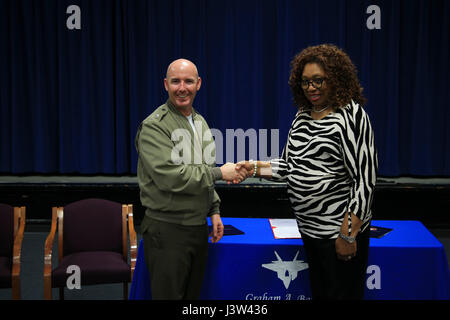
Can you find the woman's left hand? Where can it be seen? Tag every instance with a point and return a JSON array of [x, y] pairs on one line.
[[344, 250]]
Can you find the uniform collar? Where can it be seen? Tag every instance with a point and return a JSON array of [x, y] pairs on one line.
[[176, 111]]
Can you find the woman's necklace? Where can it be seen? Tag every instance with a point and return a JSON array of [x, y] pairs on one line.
[[321, 110]]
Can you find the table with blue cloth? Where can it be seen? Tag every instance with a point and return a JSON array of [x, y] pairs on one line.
[[406, 263]]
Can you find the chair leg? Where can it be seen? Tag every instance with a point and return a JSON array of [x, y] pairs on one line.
[[61, 293], [16, 289], [125, 291], [47, 288]]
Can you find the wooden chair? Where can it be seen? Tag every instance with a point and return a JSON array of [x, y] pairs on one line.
[[92, 235], [12, 226]]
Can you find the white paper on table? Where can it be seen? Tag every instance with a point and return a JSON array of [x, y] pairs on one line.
[[285, 228]]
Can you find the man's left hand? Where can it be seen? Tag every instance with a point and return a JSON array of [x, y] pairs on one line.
[[217, 232]]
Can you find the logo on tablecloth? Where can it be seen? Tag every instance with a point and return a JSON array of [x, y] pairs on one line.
[[287, 271]]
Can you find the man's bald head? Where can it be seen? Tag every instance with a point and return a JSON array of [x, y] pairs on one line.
[[181, 65]]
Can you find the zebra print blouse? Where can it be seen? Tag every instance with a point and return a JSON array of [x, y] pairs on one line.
[[330, 168]]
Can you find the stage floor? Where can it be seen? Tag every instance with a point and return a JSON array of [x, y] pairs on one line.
[[103, 179], [400, 198]]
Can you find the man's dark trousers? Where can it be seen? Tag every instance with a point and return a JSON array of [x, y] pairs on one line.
[[176, 257]]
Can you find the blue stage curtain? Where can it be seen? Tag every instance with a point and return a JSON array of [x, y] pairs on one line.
[[71, 100]]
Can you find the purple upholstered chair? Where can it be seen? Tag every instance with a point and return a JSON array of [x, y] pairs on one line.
[[12, 226], [92, 235]]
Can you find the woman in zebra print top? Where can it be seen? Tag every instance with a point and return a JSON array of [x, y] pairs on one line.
[[329, 164]]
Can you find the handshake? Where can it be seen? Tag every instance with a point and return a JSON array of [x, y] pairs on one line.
[[237, 172]]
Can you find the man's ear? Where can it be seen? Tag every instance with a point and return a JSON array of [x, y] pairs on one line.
[[199, 83], [166, 85]]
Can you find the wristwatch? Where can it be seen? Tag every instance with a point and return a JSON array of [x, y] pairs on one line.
[[347, 238]]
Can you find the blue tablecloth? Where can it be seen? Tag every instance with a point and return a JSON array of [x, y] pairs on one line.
[[407, 263]]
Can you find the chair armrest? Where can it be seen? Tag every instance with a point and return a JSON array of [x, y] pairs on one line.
[[49, 244], [133, 242], [48, 248], [17, 249]]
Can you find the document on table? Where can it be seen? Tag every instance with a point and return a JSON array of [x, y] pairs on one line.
[[379, 232], [284, 228], [228, 230]]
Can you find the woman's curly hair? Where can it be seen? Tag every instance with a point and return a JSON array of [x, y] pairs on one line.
[[341, 76]]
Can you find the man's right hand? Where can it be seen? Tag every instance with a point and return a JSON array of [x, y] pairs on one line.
[[246, 165], [230, 174]]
